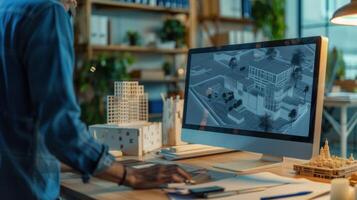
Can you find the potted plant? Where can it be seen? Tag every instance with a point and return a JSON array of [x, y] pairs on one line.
[[173, 30], [133, 38], [167, 68], [94, 81], [269, 16]]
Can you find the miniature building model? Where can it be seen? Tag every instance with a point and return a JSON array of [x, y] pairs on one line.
[[131, 139], [127, 128], [128, 105], [172, 121], [326, 166]]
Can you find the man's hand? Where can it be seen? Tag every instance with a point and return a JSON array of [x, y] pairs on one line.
[[155, 176], [145, 178]]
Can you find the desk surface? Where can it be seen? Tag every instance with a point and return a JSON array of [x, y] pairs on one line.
[[73, 188]]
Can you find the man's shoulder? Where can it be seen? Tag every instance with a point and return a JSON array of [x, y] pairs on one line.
[[30, 8]]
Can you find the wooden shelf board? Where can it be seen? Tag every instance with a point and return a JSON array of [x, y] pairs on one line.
[[136, 49], [166, 80], [110, 4], [242, 21]]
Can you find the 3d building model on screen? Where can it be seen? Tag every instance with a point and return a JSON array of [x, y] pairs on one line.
[[128, 105], [263, 89], [128, 129], [327, 166]]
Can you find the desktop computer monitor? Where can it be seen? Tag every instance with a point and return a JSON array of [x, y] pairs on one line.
[[263, 97]]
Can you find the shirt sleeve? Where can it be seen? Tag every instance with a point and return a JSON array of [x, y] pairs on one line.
[[49, 63]]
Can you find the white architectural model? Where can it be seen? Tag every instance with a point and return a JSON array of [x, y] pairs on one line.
[[327, 166], [132, 140], [172, 121], [127, 128], [128, 105]]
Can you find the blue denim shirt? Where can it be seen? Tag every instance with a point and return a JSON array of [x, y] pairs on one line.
[[39, 115]]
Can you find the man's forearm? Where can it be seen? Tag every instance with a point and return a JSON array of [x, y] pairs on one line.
[[150, 177], [115, 173]]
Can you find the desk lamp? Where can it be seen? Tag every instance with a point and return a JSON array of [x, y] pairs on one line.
[[346, 15]]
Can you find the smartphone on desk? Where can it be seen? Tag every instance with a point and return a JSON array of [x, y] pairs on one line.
[[199, 192]]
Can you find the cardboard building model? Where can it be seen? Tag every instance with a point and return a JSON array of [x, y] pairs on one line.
[[172, 121], [128, 129], [327, 166]]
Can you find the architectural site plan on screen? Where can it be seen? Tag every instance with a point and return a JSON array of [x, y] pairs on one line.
[[265, 90]]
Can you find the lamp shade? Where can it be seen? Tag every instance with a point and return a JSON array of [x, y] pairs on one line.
[[346, 15]]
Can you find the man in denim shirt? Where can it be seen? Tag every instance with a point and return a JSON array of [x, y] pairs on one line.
[[39, 116]]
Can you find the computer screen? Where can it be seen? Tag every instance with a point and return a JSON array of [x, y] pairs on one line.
[[266, 90], [256, 96]]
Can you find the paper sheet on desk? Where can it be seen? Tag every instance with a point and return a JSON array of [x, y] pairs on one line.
[[265, 179], [249, 181], [316, 189]]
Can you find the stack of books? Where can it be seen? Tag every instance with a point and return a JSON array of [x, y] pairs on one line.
[[184, 4], [227, 8]]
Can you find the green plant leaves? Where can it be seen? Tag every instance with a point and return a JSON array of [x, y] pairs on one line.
[[94, 81], [269, 16], [173, 30]]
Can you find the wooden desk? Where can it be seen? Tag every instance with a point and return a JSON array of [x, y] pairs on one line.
[[73, 188]]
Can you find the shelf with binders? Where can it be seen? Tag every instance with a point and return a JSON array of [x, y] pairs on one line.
[[99, 17], [111, 4]]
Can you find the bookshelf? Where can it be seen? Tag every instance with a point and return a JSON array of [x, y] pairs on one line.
[[214, 23], [87, 50], [137, 49], [109, 4], [83, 27]]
